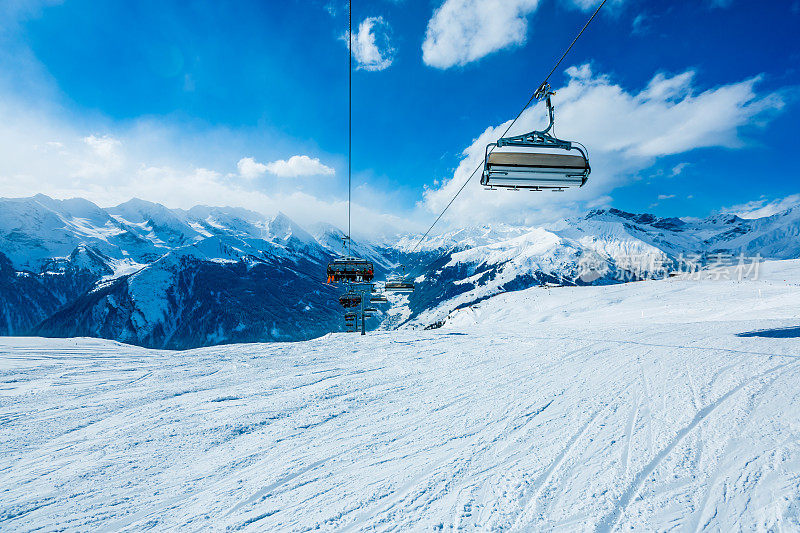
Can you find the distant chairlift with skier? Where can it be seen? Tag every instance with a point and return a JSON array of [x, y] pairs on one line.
[[377, 298], [350, 269], [350, 299], [401, 283]]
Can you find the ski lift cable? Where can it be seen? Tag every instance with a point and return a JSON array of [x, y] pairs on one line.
[[350, 121], [527, 104]]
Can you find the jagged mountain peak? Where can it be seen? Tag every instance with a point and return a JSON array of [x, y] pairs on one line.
[[142, 257], [137, 210], [284, 229], [646, 219]]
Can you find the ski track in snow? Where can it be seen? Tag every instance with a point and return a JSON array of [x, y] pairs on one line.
[[499, 422]]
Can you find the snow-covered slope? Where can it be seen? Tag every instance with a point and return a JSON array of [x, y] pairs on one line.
[[215, 291], [605, 246], [656, 405], [159, 277]]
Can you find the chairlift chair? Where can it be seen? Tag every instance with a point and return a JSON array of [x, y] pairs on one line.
[[378, 299], [350, 269], [537, 160], [401, 283]]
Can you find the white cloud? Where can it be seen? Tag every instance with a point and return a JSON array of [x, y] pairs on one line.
[[625, 132], [678, 169], [764, 207], [372, 48], [585, 5], [105, 147], [251, 169], [298, 165], [666, 196], [53, 154], [640, 24], [462, 31]]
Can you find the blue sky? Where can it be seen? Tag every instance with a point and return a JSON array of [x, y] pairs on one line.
[[687, 108]]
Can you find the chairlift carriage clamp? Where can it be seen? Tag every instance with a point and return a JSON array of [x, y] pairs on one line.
[[551, 167]]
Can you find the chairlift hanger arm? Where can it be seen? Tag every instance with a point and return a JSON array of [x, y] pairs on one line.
[[538, 138]]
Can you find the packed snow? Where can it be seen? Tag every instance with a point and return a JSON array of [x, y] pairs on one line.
[[653, 405]]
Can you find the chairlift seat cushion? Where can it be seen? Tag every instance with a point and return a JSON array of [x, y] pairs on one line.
[[537, 160]]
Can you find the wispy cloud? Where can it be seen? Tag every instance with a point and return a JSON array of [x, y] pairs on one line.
[[372, 47], [764, 207], [720, 3], [678, 169]]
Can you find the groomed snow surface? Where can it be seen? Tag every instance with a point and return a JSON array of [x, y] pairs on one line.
[[634, 406]]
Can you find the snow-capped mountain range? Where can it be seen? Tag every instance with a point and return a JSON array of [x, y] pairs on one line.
[[169, 278]]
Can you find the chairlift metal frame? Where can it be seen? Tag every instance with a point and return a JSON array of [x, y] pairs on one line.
[[348, 268], [378, 299], [350, 299], [400, 283], [536, 175]]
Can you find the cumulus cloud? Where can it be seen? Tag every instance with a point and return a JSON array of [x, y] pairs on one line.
[[251, 169], [462, 31], [764, 207], [297, 166], [372, 48], [625, 131]]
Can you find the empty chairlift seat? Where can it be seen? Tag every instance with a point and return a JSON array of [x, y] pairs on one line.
[[537, 160], [535, 170], [399, 285]]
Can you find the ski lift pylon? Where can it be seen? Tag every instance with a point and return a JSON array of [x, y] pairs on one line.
[[536, 160]]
